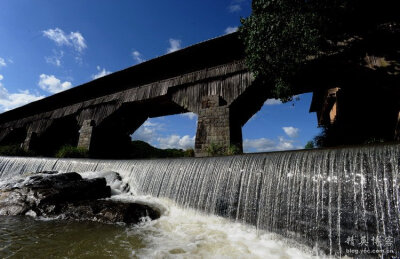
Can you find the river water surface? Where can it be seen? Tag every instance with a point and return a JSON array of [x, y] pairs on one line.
[[179, 233]]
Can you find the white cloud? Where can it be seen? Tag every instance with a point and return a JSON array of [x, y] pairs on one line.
[[148, 123], [258, 145], [190, 115], [56, 58], [154, 133], [233, 8], [146, 134], [2, 62], [277, 101], [236, 6], [73, 39], [291, 131], [77, 41], [175, 141], [10, 101], [52, 84], [272, 102], [100, 72], [137, 56], [285, 144], [230, 30], [266, 145], [57, 35], [174, 45]]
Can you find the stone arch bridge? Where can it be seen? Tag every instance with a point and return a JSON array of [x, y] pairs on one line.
[[209, 79]]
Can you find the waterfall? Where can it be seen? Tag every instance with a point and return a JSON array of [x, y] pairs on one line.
[[335, 199]]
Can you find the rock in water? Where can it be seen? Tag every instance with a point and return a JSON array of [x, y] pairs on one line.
[[69, 196], [106, 211]]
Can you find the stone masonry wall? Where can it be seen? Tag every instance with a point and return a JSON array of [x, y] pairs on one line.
[[85, 134], [213, 126]]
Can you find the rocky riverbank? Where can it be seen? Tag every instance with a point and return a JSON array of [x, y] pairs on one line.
[[68, 196]]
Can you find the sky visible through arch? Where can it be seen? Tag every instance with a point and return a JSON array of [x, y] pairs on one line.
[[50, 46]]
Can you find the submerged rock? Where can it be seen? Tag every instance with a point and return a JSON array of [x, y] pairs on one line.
[[68, 196]]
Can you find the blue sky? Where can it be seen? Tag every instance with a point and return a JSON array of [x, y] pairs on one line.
[[49, 46]]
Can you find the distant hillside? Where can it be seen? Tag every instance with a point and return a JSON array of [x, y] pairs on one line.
[[138, 149], [141, 149]]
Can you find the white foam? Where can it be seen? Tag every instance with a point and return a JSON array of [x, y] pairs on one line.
[[185, 233], [113, 179]]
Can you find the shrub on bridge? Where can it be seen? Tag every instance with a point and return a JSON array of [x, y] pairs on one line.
[[233, 150], [220, 150], [72, 152]]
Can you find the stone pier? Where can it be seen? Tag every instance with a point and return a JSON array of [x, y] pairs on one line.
[[85, 134], [216, 126], [30, 140]]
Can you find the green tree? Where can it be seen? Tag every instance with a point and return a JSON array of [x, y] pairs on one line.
[[281, 36], [309, 145]]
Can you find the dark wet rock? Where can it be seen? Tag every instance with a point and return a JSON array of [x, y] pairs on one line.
[[107, 211], [68, 196]]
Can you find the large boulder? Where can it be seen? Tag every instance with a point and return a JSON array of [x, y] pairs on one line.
[[68, 196]]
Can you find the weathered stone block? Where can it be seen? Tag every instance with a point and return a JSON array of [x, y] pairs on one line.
[[85, 134], [214, 126]]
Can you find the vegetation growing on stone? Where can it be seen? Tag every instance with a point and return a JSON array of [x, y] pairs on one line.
[[220, 150], [72, 152]]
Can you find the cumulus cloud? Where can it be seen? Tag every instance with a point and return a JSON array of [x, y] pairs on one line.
[[148, 132], [100, 72], [151, 124], [190, 115], [277, 101], [235, 6], [2, 62], [73, 39], [258, 145], [137, 56], [56, 59], [285, 144], [291, 131], [154, 133], [77, 41], [272, 102], [52, 84], [230, 30], [267, 145], [10, 101], [174, 45], [175, 141]]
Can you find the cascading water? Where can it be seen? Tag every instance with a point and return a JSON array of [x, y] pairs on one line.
[[341, 200]]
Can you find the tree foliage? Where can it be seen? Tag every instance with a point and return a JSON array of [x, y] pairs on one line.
[[280, 36], [309, 145]]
